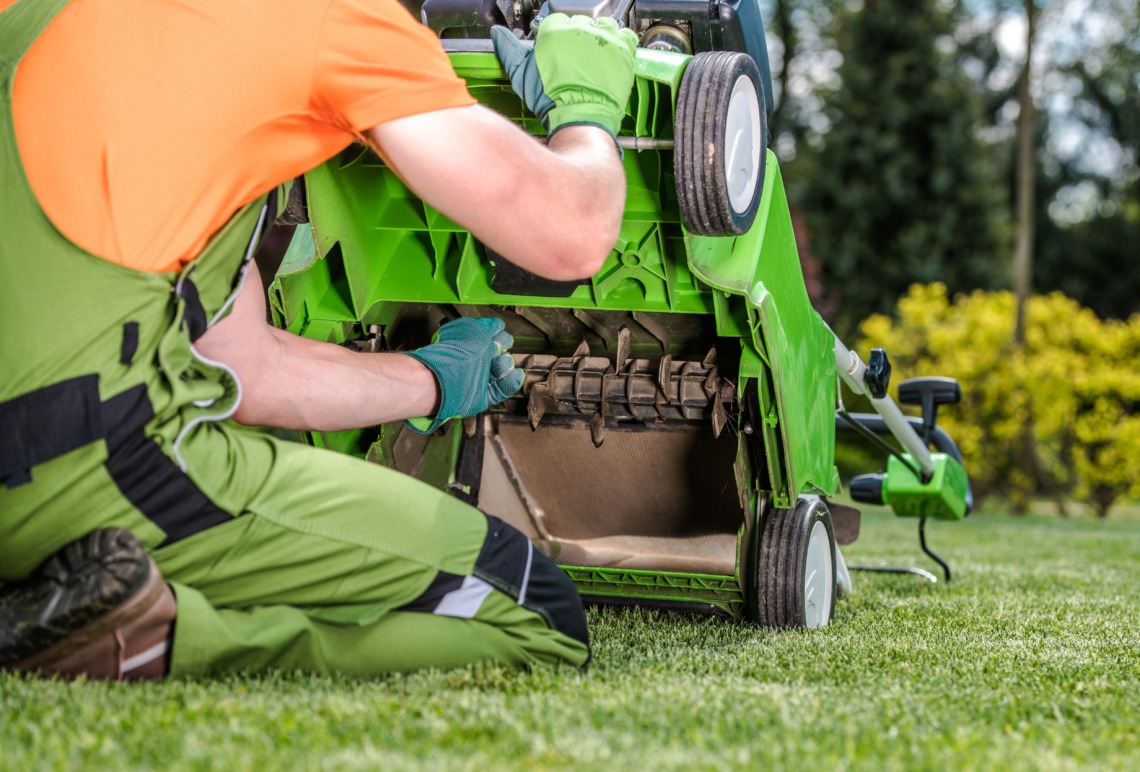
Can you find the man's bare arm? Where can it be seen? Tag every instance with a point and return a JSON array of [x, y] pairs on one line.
[[296, 383], [554, 210]]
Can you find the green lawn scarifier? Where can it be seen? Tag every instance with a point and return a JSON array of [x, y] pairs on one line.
[[674, 441]]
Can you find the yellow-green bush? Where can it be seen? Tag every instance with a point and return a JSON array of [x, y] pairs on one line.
[[1059, 417]]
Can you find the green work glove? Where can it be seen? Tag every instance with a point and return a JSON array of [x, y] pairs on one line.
[[580, 70], [469, 359]]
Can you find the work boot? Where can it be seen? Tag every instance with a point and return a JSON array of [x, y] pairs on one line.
[[97, 608]]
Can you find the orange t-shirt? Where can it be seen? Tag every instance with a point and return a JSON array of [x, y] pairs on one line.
[[143, 126]]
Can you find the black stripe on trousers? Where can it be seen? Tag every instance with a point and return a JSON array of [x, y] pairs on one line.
[[46, 424], [147, 477], [429, 599], [502, 563]]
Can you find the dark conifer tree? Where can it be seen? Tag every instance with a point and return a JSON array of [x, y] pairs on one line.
[[902, 190]]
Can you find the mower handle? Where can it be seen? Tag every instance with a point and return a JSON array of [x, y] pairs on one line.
[[852, 370]]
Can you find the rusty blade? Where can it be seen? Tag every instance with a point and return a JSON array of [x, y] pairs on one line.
[[719, 418], [623, 348], [536, 405], [709, 362], [665, 373], [598, 428], [598, 421]]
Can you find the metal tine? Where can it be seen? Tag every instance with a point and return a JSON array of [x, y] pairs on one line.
[[664, 377], [665, 373], [598, 420], [598, 426], [535, 406], [623, 348], [719, 417], [709, 362], [583, 349], [539, 400]]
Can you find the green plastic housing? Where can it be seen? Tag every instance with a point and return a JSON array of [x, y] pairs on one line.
[[942, 498], [373, 246]]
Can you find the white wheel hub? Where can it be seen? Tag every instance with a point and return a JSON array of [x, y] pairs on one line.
[[742, 144], [819, 578]]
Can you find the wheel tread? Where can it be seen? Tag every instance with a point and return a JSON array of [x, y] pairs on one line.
[[780, 553], [700, 177]]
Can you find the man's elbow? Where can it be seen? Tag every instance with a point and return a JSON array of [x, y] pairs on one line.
[[581, 252], [574, 262]]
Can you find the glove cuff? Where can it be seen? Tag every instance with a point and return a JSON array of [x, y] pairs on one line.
[[427, 424], [423, 425]]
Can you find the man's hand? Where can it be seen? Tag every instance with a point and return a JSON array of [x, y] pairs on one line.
[[470, 361], [580, 70]]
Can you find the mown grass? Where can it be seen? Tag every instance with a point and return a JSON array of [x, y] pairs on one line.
[[1029, 660]]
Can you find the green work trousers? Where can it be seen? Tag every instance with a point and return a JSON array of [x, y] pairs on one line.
[[314, 573], [325, 564]]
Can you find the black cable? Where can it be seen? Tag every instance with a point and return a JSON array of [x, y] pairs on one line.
[[878, 441], [869, 435], [935, 558]]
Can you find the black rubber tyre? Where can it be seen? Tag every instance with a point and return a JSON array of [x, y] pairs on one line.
[[782, 592], [712, 202]]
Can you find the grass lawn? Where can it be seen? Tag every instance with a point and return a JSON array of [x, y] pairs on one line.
[[1029, 660]]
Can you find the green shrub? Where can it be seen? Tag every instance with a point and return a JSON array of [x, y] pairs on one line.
[[1060, 416]]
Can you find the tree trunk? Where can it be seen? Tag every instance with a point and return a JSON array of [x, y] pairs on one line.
[[1023, 257], [784, 29]]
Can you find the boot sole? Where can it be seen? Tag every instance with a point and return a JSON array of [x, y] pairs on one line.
[[103, 576], [134, 607]]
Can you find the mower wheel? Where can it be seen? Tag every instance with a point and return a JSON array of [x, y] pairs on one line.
[[793, 581], [719, 144]]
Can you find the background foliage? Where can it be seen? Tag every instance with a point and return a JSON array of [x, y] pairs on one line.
[[1075, 385]]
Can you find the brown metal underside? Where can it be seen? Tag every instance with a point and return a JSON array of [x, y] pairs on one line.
[[661, 498]]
